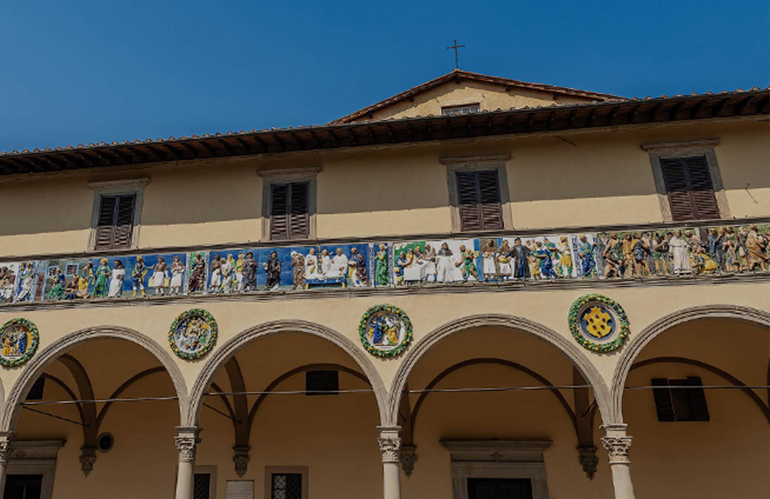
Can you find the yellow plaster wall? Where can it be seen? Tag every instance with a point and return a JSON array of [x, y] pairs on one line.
[[604, 178], [725, 457], [489, 96]]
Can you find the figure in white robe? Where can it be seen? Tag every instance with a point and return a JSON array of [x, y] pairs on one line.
[[116, 280], [445, 264], [677, 248], [312, 270], [430, 263], [339, 266], [326, 264], [177, 275]]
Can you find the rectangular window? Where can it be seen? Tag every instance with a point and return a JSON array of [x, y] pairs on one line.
[[480, 207], [680, 404], [202, 486], [115, 225], [36, 392], [499, 488], [463, 109], [689, 188], [286, 486], [71, 269], [322, 382], [23, 487], [289, 214]]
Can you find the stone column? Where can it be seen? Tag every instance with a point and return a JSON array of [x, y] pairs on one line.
[[186, 441], [618, 445], [6, 449], [390, 444]]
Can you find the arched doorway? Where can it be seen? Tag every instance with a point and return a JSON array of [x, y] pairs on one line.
[[701, 432], [94, 411], [290, 405], [488, 403]]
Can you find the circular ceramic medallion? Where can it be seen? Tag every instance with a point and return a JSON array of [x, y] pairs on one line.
[[598, 323], [18, 342], [385, 330], [193, 334]]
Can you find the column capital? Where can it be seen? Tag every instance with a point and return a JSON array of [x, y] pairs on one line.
[[618, 449], [6, 445], [390, 443], [186, 442]]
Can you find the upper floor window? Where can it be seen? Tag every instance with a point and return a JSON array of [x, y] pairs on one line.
[[463, 109], [478, 193], [687, 180], [289, 214], [116, 214], [286, 482], [690, 189], [479, 200], [680, 399], [115, 225], [289, 197]]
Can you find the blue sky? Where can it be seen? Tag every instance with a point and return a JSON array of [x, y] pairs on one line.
[[82, 71]]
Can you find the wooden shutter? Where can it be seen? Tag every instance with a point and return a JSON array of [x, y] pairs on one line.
[[289, 214], [115, 224], [699, 410], [279, 211], [689, 187], [663, 403], [478, 195], [299, 218]]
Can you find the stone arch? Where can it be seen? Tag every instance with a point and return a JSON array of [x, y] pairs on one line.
[[563, 344], [40, 362], [652, 331], [232, 346]]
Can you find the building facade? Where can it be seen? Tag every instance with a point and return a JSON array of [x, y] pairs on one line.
[[478, 288]]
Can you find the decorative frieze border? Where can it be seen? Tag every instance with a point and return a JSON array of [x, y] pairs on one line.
[[647, 254]]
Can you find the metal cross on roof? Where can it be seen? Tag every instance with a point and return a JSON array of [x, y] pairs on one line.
[[455, 47]]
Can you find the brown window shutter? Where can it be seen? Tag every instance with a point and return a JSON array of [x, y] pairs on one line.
[[697, 397], [116, 222], [479, 199], [105, 226], [124, 221], [299, 218], [663, 404], [689, 187], [702, 189], [279, 211], [489, 194], [470, 211]]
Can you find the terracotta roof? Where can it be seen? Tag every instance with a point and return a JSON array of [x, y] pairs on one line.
[[557, 117], [460, 75]]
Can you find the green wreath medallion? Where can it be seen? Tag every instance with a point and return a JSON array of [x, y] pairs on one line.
[[598, 323], [18, 339], [193, 334], [385, 331]]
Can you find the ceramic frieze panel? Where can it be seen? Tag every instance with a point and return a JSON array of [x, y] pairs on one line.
[[231, 270], [196, 276], [441, 261], [111, 277], [530, 258], [287, 268], [586, 258], [27, 283], [380, 258], [9, 272]]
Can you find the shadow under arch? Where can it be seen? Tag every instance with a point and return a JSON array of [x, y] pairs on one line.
[[640, 341], [514, 323], [231, 347], [40, 362]]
